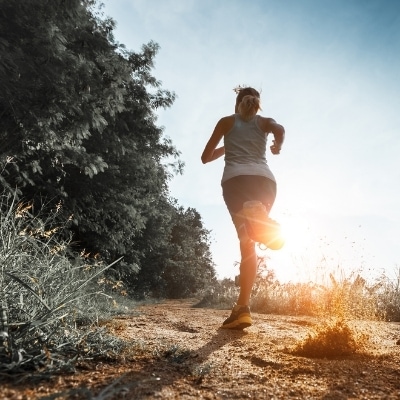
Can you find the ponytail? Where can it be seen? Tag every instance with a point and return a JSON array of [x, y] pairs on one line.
[[249, 106]]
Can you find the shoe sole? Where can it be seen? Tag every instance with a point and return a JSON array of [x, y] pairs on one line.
[[239, 324]]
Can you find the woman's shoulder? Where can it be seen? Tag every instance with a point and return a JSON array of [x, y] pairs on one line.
[[265, 123], [229, 117], [227, 122], [266, 119]]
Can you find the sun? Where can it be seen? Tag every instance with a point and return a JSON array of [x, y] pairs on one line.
[[292, 262], [296, 232]]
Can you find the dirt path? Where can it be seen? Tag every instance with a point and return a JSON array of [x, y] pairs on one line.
[[180, 353]]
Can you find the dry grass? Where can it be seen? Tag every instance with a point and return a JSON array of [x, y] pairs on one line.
[[351, 298], [336, 305], [50, 302]]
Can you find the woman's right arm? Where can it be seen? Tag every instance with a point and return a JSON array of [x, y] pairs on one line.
[[211, 152]]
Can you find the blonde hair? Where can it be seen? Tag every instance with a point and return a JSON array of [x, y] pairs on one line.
[[251, 105], [248, 106]]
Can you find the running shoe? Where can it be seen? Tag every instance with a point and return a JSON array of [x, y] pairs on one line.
[[239, 319], [260, 227]]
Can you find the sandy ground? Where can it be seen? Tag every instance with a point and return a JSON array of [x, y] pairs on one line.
[[179, 352]]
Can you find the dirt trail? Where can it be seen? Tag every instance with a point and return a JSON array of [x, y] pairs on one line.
[[181, 354]]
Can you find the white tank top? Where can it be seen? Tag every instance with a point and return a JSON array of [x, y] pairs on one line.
[[245, 148]]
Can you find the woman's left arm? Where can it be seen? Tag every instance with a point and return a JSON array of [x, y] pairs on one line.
[[270, 125]]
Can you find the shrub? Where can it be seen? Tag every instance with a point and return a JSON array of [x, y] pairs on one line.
[[220, 294], [388, 293], [44, 292]]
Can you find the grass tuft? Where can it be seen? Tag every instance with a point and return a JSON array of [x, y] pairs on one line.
[[176, 354], [51, 299]]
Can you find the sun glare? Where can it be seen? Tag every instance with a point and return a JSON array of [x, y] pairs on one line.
[[292, 262], [296, 232]]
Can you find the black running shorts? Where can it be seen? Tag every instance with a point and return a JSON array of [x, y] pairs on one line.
[[244, 188]]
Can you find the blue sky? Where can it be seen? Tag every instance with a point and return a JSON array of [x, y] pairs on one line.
[[329, 72]]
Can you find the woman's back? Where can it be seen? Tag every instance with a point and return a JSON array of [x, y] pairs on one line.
[[245, 143]]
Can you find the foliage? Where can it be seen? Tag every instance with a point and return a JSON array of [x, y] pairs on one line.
[[43, 292], [75, 106], [351, 297], [347, 298], [388, 293], [78, 126], [223, 293], [220, 294], [54, 86], [178, 260]]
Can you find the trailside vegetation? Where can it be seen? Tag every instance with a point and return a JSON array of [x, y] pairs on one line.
[[78, 127], [87, 223]]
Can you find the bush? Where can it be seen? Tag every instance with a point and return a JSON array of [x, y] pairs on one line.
[[220, 294], [388, 293], [44, 292]]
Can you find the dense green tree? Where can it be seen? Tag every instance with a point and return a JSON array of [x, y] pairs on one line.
[[178, 259], [78, 124], [55, 62], [111, 208], [75, 105], [189, 266]]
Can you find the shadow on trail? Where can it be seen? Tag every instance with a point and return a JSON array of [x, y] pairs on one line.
[[189, 367], [217, 341]]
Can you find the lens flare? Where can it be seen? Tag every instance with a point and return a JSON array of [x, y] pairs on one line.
[[296, 232]]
